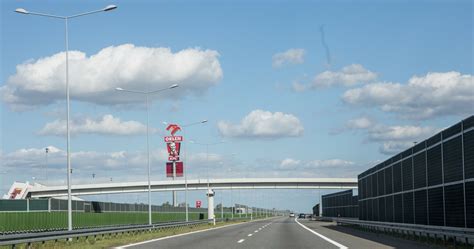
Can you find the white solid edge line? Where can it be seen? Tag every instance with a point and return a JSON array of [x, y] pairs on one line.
[[240, 241], [322, 236], [182, 234]]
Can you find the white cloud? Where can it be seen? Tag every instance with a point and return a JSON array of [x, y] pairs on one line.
[[263, 124], [289, 163], [291, 56], [400, 133], [94, 78], [348, 76], [429, 96], [394, 147], [124, 165], [331, 163], [299, 87], [392, 139], [106, 125], [130, 166], [29, 158], [359, 123]]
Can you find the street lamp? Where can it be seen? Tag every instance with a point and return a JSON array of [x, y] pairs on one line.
[[232, 155], [209, 192], [46, 150], [66, 38], [184, 168], [147, 135], [231, 188]]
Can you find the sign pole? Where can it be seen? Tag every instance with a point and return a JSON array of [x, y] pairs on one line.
[[175, 201]]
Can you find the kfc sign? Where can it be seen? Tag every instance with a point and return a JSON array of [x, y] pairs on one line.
[[198, 204], [173, 149], [174, 168]]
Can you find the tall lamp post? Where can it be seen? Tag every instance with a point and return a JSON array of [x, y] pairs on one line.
[[147, 93], [209, 191], [231, 188], [184, 167], [66, 38], [46, 150]]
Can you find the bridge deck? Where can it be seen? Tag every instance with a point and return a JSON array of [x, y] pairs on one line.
[[198, 184]]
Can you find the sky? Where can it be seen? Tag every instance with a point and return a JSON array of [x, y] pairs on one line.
[[289, 89]]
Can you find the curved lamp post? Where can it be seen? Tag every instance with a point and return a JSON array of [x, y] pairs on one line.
[[147, 135], [66, 38]]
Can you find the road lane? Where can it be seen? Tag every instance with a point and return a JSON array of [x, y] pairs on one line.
[[276, 233], [226, 237], [358, 239], [284, 233]]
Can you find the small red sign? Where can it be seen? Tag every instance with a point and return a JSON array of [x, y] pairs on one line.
[[179, 169], [169, 169], [198, 204], [173, 139], [173, 158]]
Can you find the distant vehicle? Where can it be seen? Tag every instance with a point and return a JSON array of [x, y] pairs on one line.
[[301, 216], [292, 214]]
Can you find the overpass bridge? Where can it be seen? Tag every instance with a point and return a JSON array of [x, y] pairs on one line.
[[38, 191]]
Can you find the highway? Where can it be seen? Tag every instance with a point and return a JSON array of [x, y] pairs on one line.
[[280, 233]]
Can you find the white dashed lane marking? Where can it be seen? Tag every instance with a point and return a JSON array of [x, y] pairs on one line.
[[250, 235], [240, 241], [322, 236]]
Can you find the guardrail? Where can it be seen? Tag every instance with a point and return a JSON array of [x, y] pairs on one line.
[[28, 238], [465, 235]]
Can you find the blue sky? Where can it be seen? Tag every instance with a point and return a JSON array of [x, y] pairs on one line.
[[397, 72]]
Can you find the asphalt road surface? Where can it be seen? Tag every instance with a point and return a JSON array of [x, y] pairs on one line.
[[282, 233]]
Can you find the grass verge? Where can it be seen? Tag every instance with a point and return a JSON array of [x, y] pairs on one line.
[[114, 240]]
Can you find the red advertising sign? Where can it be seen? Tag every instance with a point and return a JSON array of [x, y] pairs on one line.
[[169, 169], [198, 204], [173, 139], [173, 149], [173, 145], [173, 158], [179, 169]]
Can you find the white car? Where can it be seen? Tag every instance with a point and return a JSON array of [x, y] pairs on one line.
[[292, 214]]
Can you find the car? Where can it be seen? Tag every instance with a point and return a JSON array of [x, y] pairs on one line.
[[301, 216], [292, 214]]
